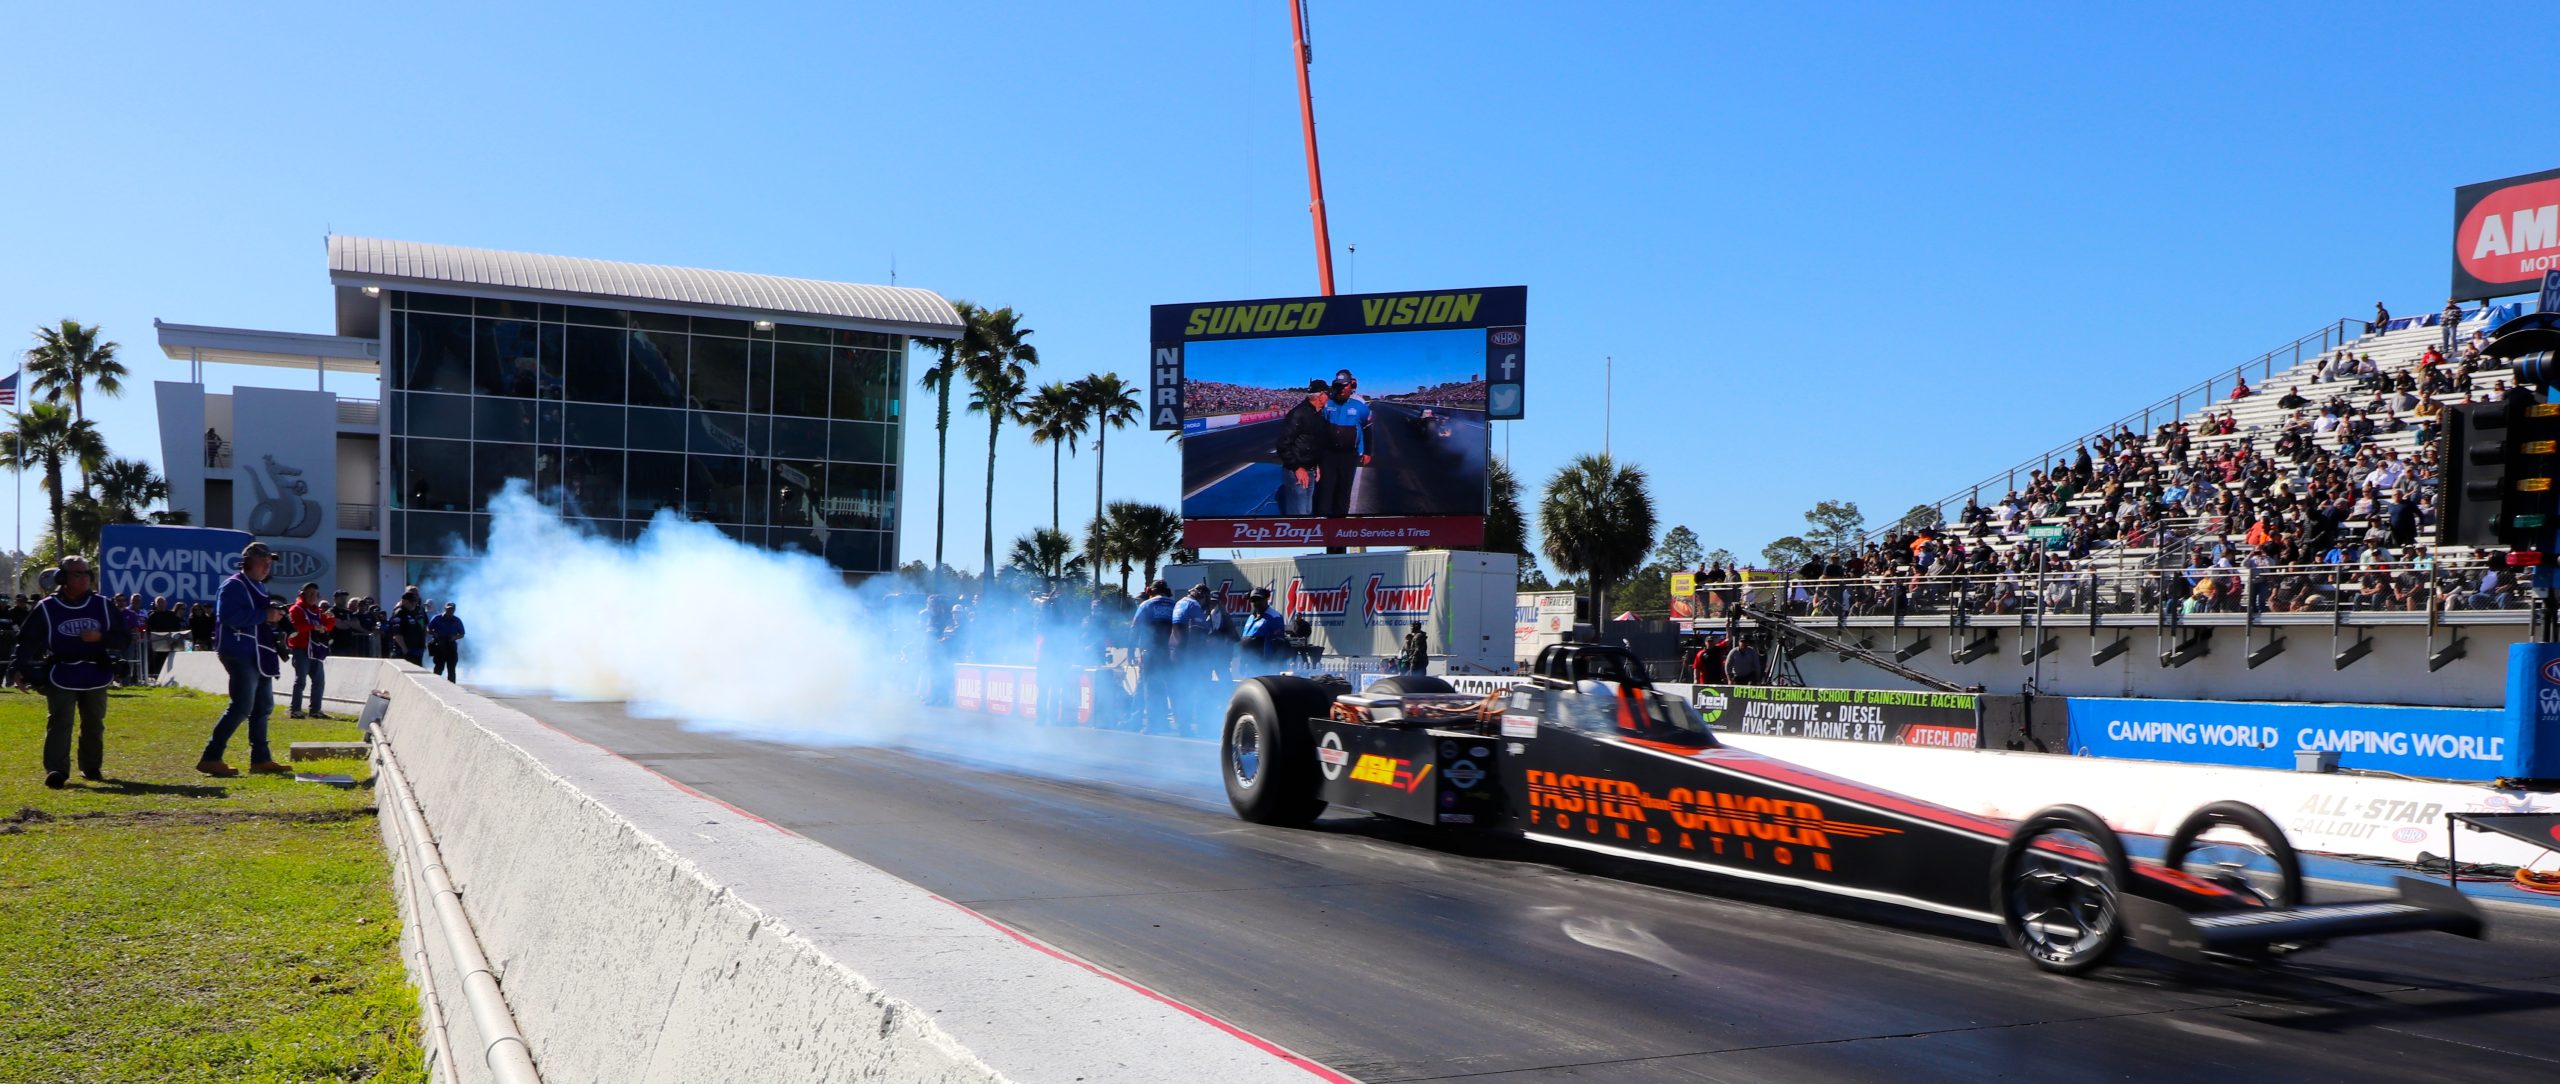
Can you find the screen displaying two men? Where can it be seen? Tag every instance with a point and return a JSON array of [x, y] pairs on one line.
[[1348, 420]]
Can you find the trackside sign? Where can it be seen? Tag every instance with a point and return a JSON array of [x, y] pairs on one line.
[[2432, 743], [2506, 233], [187, 564]]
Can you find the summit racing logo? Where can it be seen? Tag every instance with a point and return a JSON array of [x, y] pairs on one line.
[[1322, 605], [1387, 601]]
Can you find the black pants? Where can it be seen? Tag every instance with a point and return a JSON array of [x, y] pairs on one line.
[[91, 705], [1333, 491], [447, 660]]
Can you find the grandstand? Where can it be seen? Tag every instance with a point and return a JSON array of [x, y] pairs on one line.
[[2201, 511]]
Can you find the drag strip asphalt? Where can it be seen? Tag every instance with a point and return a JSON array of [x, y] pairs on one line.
[[1402, 953]]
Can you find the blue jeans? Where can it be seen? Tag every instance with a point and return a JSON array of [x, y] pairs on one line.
[[253, 697], [1295, 499], [306, 668]]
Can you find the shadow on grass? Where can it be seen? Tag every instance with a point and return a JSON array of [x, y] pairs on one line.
[[184, 790]]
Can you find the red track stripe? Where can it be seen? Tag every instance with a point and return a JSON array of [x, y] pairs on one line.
[[668, 779], [1265, 1045]]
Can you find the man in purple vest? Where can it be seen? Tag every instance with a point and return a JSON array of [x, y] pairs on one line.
[[69, 648]]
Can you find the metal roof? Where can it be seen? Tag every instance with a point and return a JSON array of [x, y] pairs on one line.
[[365, 261]]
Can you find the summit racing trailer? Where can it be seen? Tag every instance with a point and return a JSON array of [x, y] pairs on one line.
[[1588, 755]]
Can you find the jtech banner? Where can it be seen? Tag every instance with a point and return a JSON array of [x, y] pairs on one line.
[[1888, 716], [187, 564], [2506, 233]]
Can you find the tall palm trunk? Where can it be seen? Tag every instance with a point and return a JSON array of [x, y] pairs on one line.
[[941, 472], [1057, 462], [987, 563], [53, 491], [1098, 440]]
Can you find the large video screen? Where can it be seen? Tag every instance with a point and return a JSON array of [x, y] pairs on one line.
[[1337, 421]]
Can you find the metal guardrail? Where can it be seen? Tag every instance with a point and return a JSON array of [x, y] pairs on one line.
[[2169, 592]]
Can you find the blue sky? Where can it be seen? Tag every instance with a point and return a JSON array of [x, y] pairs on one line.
[[1387, 363], [1868, 252]]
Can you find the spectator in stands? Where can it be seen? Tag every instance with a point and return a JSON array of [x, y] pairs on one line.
[[2293, 399], [2240, 388], [2381, 320]]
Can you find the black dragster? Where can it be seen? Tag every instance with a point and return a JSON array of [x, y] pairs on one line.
[[1587, 754]]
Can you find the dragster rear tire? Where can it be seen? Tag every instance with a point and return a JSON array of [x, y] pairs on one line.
[[2250, 819], [1265, 753], [2105, 933], [1410, 683]]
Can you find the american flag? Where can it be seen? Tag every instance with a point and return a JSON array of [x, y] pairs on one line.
[[9, 390]]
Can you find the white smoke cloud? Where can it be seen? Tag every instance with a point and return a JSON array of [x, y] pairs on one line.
[[689, 624]]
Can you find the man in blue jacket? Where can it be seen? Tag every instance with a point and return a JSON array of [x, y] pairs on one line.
[[69, 647], [1150, 642], [1346, 445], [245, 637]]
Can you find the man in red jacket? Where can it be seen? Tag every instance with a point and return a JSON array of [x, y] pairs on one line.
[[309, 615]]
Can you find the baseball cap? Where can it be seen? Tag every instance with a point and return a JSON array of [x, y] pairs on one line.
[[256, 549], [1317, 385]]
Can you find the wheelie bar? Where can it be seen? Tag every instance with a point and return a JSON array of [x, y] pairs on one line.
[[2182, 935]]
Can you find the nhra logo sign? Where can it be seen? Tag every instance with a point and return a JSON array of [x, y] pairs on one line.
[[1400, 600], [2506, 233]]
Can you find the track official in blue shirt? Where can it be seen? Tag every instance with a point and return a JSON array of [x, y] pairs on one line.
[[1151, 643], [1346, 445]]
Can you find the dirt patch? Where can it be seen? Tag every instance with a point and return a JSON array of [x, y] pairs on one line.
[[196, 817]]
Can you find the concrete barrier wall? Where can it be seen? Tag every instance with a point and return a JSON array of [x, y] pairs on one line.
[[645, 933]]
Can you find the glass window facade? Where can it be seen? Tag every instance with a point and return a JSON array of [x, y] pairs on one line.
[[786, 438]]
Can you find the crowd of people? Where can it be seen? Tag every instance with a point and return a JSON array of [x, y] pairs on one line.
[[1210, 398], [2324, 507], [74, 644]]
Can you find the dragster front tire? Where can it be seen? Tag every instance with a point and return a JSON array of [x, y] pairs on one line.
[[1264, 751], [2034, 891], [2250, 819]]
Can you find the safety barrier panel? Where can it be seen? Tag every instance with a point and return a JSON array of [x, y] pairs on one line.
[[2430, 743]]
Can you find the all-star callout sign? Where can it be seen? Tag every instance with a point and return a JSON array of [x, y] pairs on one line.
[[2506, 233]]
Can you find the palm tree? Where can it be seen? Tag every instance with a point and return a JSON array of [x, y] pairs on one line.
[[1045, 553], [126, 490], [1109, 403], [1141, 532], [67, 359], [999, 370], [996, 393], [1058, 418], [949, 355], [1596, 522], [44, 438]]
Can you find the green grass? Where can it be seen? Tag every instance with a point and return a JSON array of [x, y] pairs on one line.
[[165, 926]]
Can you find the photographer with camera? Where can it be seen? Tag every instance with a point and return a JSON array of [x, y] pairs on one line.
[[69, 647], [247, 619]]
